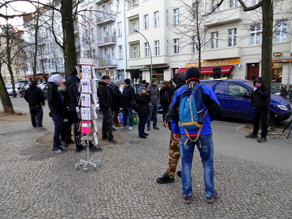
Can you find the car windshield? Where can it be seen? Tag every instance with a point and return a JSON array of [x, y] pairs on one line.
[[249, 83], [276, 86]]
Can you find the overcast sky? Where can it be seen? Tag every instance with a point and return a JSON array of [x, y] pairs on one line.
[[17, 8]]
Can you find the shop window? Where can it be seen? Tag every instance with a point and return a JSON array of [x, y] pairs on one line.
[[277, 72]]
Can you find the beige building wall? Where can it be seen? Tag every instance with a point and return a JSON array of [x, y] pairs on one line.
[[230, 15]]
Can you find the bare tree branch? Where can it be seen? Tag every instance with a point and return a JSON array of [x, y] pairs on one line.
[[245, 8]]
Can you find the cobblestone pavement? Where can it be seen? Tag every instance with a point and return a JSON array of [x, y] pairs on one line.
[[124, 186]]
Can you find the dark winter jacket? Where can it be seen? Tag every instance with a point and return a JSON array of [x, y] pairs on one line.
[[143, 104], [73, 93], [154, 94], [111, 93], [55, 101], [260, 99], [105, 100], [117, 98], [65, 98], [34, 96], [165, 96], [128, 96]]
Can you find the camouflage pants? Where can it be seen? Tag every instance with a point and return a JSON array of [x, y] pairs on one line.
[[173, 156]]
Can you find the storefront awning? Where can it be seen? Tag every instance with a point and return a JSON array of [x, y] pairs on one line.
[[209, 70]]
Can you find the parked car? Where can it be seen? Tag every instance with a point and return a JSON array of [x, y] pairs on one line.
[[234, 97], [278, 89], [10, 90]]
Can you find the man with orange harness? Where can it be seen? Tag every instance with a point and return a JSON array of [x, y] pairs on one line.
[[194, 106]]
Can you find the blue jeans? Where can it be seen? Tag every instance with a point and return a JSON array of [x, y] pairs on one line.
[[206, 153], [36, 111], [58, 122], [127, 111], [153, 114], [141, 126]]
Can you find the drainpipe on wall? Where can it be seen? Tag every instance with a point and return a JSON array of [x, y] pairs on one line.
[[289, 75]]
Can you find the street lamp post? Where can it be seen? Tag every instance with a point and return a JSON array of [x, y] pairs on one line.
[[150, 53]]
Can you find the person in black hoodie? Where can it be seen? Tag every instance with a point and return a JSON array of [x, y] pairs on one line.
[[35, 98], [105, 104], [260, 101], [165, 98], [66, 133], [174, 148], [142, 99], [74, 95], [56, 106], [116, 102]]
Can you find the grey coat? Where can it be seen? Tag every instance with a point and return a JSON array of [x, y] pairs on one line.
[[154, 94]]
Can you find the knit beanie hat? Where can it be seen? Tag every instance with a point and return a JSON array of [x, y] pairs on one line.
[[127, 81], [179, 78], [139, 89], [153, 80], [193, 73]]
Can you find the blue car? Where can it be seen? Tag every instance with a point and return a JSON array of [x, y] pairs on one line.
[[234, 97]]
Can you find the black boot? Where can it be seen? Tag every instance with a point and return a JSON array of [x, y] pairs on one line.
[[164, 179], [178, 173]]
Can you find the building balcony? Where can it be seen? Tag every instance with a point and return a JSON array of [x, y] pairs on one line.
[[105, 17], [224, 17], [106, 62], [99, 2], [107, 41], [222, 53]]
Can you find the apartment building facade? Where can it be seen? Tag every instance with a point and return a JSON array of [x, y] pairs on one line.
[[49, 55], [102, 37], [229, 38]]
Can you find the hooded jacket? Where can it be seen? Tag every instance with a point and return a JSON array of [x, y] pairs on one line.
[[260, 99], [105, 100], [165, 95], [56, 104], [73, 93], [34, 96], [143, 104], [128, 96], [154, 94], [210, 102], [117, 98]]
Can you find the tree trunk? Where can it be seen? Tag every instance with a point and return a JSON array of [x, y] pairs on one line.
[[5, 100], [8, 56], [267, 41], [69, 49]]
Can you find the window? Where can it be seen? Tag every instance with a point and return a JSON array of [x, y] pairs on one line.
[[86, 35], [135, 52], [17, 71], [49, 63], [51, 47], [119, 29], [176, 46], [113, 52], [215, 5], [146, 49], [176, 16], [47, 32], [146, 22], [105, 31], [84, 14], [233, 3], [90, 12], [120, 52], [195, 11], [255, 31], [214, 40], [281, 31], [166, 18], [236, 90], [92, 34], [16, 61], [135, 3], [167, 47], [156, 19], [88, 54], [254, 2], [195, 43], [48, 48], [93, 54], [134, 26], [232, 37], [157, 47], [118, 6]]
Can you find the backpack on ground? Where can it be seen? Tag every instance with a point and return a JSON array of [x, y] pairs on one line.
[[191, 114]]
